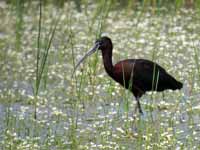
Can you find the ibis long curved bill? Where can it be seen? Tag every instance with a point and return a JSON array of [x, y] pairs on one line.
[[90, 52]]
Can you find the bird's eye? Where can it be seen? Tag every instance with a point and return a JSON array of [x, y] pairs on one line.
[[99, 43]]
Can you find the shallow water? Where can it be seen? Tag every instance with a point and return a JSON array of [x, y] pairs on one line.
[[91, 111]]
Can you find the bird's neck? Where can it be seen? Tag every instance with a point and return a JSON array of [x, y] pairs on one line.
[[107, 61]]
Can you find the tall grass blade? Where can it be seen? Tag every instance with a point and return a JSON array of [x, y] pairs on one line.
[[197, 61], [19, 22], [38, 48], [42, 56]]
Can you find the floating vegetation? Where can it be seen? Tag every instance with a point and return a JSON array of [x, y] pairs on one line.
[[90, 111]]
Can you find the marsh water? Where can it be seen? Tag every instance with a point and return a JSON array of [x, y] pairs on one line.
[[90, 110]]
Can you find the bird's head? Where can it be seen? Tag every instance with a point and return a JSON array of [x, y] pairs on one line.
[[104, 43]]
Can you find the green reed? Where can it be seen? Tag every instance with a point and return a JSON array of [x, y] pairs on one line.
[[42, 54], [19, 8]]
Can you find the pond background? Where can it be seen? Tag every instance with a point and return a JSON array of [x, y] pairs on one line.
[[43, 107]]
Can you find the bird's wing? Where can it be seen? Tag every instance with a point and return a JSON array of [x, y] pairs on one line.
[[143, 73]]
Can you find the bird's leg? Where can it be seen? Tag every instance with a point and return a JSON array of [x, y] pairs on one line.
[[163, 95], [137, 92], [139, 106]]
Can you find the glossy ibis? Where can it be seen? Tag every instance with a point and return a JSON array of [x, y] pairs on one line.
[[137, 75]]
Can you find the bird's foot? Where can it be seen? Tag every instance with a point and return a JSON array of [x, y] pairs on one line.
[[140, 111]]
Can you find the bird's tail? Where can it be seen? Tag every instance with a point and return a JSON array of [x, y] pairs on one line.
[[174, 84]]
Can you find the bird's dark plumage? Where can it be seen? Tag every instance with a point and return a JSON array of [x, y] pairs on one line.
[[143, 75], [137, 75]]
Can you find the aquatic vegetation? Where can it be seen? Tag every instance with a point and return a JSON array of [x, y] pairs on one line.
[[90, 111]]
